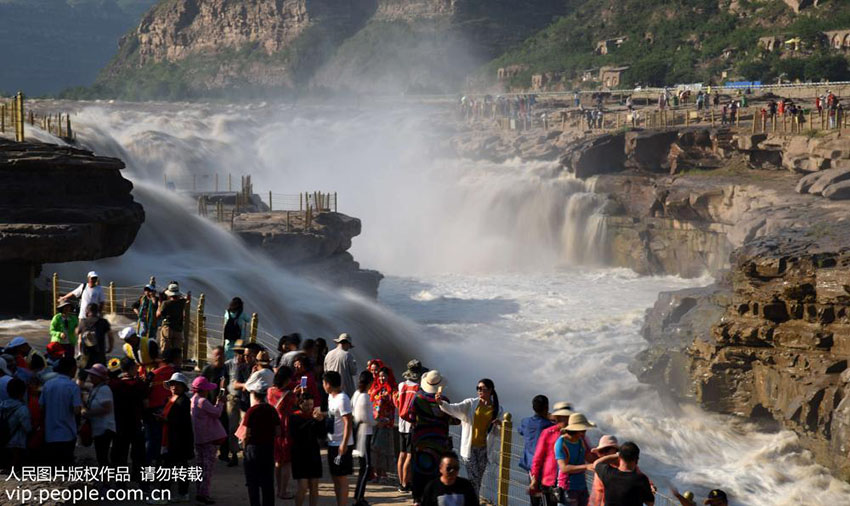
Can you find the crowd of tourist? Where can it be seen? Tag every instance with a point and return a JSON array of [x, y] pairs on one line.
[[279, 414]]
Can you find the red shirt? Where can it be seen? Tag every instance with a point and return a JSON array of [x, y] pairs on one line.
[[544, 467], [159, 393], [262, 421]]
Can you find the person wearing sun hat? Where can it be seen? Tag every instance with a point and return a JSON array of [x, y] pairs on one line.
[[607, 446], [206, 425], [99, 409], [89, 292], [574, 459], [429, 439], [178, 438], [404, 397], [171, 312], [544, 466], [342, 361], [63, 327]]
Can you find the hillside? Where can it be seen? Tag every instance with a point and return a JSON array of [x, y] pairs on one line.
[[188, 48], [683, 41], [50, 45]]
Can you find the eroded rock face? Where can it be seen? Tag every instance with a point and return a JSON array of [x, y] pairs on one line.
[[318, 252], [60, 204]]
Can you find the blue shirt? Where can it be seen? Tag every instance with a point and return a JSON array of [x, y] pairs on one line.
[[59, 397], [530, 429], [576, 481], [19, 422]]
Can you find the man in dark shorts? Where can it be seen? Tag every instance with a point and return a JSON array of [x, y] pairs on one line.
[[624, 485], [341, 440]]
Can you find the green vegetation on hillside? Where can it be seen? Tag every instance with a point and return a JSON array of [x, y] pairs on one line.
[[681, 41]]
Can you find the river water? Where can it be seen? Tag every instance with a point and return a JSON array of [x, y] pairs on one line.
[[493, 270]]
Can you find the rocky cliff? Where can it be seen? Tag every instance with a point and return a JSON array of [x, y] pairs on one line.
[[316, 251], [59, 204], [196, 46], [770, 339]]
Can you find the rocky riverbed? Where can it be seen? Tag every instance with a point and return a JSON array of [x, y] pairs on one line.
[[763, 214]]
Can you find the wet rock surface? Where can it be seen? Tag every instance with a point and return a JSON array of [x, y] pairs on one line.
[[59, 204], [318, 251]]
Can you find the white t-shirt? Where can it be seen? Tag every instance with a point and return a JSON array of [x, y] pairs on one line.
[[362, 411], [339, 405], [100, 396], [89, 295]]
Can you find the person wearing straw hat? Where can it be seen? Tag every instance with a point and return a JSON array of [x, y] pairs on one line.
[[341, 360], [607, 446], [89, 292], [63, 327], [99, 410], [403, 399], [172, 313], [178, 437], [430, 437], [544, 466], [624, 483], [574, 459]]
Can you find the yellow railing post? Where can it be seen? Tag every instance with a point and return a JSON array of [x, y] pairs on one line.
[[505, 460], [2, 118], [111, 297], [255, 321], [201, 333], [19, 117], [55, 287]]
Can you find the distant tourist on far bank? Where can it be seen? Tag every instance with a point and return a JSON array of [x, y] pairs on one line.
[[341, 361], [89, 292]]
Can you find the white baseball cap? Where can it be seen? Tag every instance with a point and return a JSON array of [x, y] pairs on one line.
[[92, 274]]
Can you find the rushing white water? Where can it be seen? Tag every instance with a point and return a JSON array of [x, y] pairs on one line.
[[492, 273]]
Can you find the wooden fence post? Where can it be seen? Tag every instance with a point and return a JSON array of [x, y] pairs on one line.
[[255, 321], [505, 460], [201, 336], [270, 201], [55, 288]]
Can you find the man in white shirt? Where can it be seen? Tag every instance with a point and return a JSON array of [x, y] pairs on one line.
[[88, 293], [341, 440]]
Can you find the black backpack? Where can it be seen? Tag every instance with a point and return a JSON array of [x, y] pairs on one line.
[[232, 329]]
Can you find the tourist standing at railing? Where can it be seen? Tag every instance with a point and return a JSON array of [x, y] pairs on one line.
[[403, 400], [89, 292], [341, 435], [449, 489], [364, 423], [129, 393], [624, 484], [341, 361], [63, 327], [478, 417], [283, 399], [216, 372], [95, 338], [530, 429], [145, 309], [142, 350], [381, 396], [236, 325], [430, 436], [544, 467], [206, 409], [306, 427], [238, 372], [574, 459], [172, 313]]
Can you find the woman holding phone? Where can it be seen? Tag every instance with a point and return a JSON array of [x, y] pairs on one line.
[[282, 398]]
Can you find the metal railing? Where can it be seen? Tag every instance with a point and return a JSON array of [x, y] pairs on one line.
[[202, 331], [504, 482]]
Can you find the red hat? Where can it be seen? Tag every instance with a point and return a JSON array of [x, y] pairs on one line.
[[56, 349]]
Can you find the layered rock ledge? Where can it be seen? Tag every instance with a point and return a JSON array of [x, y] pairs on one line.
[[59, 204], [318, 251]]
